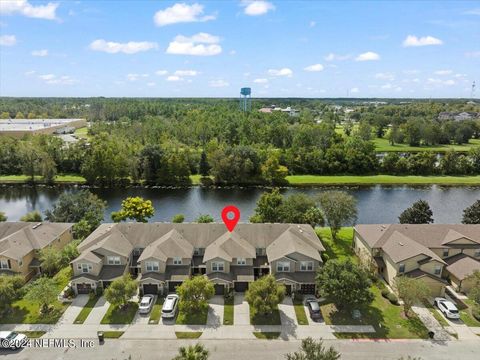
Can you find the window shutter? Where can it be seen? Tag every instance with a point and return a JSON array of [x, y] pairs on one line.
[[9, 266]]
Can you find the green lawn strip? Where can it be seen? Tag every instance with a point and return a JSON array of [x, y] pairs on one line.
[[269, 319], [188, 334], [383, 145], [341, 248], [33, 334], [300, 312], [67, 178], [381, 179], [436, 314], [156, 313], [197, 318], [388, 320], [112, 334], [82, 316], [228, 311], [266, 335], [116, 315], [27, 312], [466, 314]]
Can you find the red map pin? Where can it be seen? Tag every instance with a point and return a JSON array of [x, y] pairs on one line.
[[230, 216]]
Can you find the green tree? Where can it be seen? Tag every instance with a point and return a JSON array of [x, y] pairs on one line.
[[339, 209], [43, 291], [192, 352], [194, 294], [31, 160], [3, 217], [313, 350], [50, 260], [134, 208], [9, 289], [268, 207], [471, 215], [474, 292], [76, 206], [411, 291], [69, 252], [264, 294], [204, 219], [33, 216], [81, 229], [48, 169], [295, 207], [344, 283], [419, 213], [178, 218], [204, 166], [121, 291], [272, 171], [364, 131]]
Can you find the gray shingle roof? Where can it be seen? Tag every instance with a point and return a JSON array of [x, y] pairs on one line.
[[462, 266]]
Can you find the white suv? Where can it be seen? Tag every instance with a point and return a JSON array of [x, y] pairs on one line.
[[170, 306], [447, 308]]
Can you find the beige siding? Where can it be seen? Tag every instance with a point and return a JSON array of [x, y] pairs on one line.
[[462, 241], [437, 288], [161, 265], [274, 265], [390, 271], [123, 259], [226, 265], [471, 252], [185, 261], [249, 262], [96, 268], [430, 267], [451, 252]]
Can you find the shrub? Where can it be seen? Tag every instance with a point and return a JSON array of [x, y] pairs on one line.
[[385, 293], [476, 312], [325, 257], [99, 291], [392, 298]]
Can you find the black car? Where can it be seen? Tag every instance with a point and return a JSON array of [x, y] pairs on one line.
[[314, 310]]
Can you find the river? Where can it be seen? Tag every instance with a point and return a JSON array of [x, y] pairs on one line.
[[376, 204]]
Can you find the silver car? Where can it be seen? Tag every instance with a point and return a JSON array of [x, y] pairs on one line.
[[146, 304], [170, 306], [447, 308], [12, 340]]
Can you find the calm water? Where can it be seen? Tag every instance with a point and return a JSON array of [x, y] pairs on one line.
[[376, 204]]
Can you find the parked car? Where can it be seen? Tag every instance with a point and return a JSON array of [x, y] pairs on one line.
[[12, 340], [146, 304], [314, 309], [447, 308], [170, 306]]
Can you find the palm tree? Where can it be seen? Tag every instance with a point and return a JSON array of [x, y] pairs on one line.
[[195, 352]]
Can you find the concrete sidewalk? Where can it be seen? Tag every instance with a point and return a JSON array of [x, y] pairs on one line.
[[287, 312], [73, 310], [98, 311], [241, 311], [215, 311]]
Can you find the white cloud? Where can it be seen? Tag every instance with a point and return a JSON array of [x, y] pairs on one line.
[[161, 72], [181, 13], [8, 40], [368, 56], [334, 57], [472, 54], [280, 72], [443, 72], [130, 47], [473, 12], [354, 90], [41, 53], [151, 84], [201, 44], [174, 78], [312, 23], [186, 73], [315, 67], [256, 7], [135, 77], [412, 40], [218, 83], [53, 79], [260, 81], [30, 73], [385, 76], [23, 7], [434, 81]]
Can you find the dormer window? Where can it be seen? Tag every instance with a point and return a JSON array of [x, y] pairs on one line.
[[260, 251], [113, 260], [437, 270], [306, 266], [445, 252], [152, 266], [84, 268], [218, 266], [283, 266], [177, 261], [241, 261]]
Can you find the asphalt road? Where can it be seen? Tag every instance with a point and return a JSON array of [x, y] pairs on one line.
[[254, 349]]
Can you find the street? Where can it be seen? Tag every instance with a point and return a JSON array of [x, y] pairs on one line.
[[254, 349]]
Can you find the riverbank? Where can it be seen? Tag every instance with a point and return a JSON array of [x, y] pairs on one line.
[[299, 180]]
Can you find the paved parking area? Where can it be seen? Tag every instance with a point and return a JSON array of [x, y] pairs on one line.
[[98, 311], [241, 311], [215, 311]]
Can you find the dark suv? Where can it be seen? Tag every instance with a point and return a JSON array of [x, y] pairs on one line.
[[314, 309]]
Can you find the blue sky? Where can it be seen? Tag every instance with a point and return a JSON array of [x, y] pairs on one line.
[[212, 48]]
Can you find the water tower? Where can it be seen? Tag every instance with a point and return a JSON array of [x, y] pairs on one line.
[[245, 99]]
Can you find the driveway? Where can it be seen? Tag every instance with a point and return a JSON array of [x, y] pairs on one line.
[[215, 311], [287, 312], [73, 310], [430, 322], [98, 311], [241, 310]]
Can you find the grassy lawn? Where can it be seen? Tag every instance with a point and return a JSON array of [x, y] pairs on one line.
[[26, 312], [86, 310], [228, 311], [387, 319], [466, 314], [383, 145], [68, 178], [82, 132], [341, 248], [300, 312], [381, 179], [266, 335], [198, 318], [112, 334], [188, 334], [115, 315], [156, 313], [33, 334], [270, 319], [436, 314]]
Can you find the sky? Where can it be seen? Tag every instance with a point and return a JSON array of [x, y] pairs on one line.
[[315, 49]]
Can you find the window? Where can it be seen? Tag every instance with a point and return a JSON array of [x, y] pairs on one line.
[[4, 264], [260, 251], [437, 270], [306, 266], [445, 252], [20, 262], [477, 253], [283, 266], [113, 260], [241, 261], [218, 266], [177, 261], [196, 251], [85, 268], [152, 266], [401, 268]]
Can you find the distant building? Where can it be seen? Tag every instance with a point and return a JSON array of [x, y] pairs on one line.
[[458, 116], [272, 108], [20, 127]]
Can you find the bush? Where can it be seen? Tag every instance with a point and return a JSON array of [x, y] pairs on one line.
[[99, 291], [385, 293], [392, 298], [325, 257], [476, 312], [206, 181], [69, 293]]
